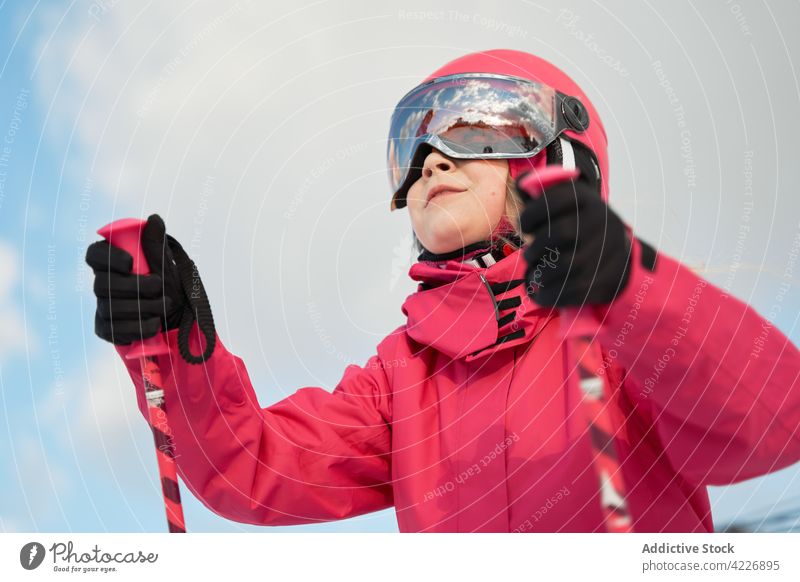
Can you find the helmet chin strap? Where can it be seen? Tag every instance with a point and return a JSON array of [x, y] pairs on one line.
[[564, 152], [567, 154]]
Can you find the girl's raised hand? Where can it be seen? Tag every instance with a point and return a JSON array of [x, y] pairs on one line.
[[581, 249]]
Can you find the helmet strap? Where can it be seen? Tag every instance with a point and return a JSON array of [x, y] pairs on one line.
[[561, 152], [567, 154], [571, 155]]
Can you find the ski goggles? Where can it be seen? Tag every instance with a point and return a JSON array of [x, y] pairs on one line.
[[475, 116]]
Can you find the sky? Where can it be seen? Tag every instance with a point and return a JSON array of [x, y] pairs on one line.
[[258, 133]]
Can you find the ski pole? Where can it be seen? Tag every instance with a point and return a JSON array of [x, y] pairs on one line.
[[577, 331], [126, 234]]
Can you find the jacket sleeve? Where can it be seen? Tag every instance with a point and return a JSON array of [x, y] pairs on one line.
[[314, 456], [718, 384]]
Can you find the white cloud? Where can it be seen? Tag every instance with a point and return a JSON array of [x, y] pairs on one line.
[[97, 415]]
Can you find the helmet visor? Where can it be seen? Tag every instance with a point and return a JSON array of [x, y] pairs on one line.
[[470, 116]]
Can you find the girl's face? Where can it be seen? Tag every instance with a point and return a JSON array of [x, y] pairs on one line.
[[455, 203]]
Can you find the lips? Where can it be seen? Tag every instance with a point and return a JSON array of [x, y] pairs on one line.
[[442, 189]]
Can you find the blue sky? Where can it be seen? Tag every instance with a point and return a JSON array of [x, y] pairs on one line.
[[98, 124]]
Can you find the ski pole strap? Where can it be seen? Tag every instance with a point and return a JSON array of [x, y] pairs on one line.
[[198, 307]]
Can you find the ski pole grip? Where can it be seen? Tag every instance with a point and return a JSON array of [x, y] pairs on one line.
[[574, 322], [126, 234]]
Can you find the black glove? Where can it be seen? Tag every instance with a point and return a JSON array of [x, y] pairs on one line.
[[581, 252], [133, 307]]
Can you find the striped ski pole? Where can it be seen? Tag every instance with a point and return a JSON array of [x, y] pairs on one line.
[[577, 331], [126, 234]]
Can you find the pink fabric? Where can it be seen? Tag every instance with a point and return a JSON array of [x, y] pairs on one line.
[[494, 442]]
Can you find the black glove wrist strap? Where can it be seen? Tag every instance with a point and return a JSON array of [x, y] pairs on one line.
[[196, 308]]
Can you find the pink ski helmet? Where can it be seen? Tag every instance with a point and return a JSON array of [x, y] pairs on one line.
[[494, 104]]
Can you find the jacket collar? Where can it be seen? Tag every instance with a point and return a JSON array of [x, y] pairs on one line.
[[480, 254], [472, 303]]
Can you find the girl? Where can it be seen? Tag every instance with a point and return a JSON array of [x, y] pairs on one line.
[[465, 419]]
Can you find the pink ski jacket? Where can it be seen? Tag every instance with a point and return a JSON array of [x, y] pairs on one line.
[[463, 422]]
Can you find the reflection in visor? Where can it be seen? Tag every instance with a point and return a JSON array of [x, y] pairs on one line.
[[479, 115], [480, 138]]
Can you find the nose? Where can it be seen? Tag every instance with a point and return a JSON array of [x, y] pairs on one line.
[[436, 161]]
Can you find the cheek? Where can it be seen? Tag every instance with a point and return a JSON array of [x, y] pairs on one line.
[[414, 201], [492, 188], [494, 200]]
